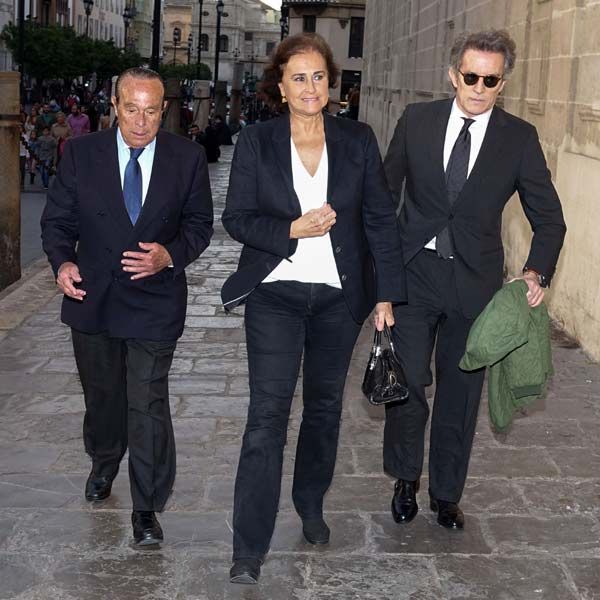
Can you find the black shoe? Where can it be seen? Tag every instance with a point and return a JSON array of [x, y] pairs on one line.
[[404, 502], [146, 528], [245, 570], [97, 488], [449, 514], [315, 530]]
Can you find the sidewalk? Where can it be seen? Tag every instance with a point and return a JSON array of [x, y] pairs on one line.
[[532, 501]]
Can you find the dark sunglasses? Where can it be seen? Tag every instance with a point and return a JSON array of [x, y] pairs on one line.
[[490, 81]]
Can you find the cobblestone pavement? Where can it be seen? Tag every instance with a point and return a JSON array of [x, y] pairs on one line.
[[532, 500]]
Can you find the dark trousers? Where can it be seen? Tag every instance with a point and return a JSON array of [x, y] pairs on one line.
[[283, 321], [125, 386], [433, 316]]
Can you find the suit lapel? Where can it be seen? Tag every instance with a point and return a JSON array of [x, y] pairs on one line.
[[112, 191], [488, 156], [438, 136], [336, 154], [283, 156]]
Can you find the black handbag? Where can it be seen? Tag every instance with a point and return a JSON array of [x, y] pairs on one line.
[[384, 379]]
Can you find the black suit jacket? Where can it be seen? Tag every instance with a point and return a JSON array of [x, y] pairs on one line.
[[262, 203], [85, 221], [510, 160]]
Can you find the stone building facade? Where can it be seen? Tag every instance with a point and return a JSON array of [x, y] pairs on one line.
[[555, 86], [105, 20], [341, 23], [249, 31]]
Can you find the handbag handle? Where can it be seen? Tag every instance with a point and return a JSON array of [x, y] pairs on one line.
[[376, 349]]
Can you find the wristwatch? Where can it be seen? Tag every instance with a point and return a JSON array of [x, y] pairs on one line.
[[541, 278]]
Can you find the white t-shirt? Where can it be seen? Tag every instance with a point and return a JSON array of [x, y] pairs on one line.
[[313, 261]]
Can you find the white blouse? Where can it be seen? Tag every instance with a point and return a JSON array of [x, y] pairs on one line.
[[313, 261]]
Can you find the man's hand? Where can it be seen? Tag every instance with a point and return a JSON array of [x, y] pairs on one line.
[[68, 274], [154, 259], [535, 294], [383, 315], [314, 223]]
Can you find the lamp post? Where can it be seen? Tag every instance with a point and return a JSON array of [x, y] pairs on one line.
[[283, 21], [220, 7], [200, 15], [190, 43], [154, 59], [127, 18], [89, 4], [176, 40]]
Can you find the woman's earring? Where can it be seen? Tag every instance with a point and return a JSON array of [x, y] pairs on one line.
[[283, 99]]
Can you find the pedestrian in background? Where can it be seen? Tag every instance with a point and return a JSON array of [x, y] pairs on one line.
[[78, 121], [46, 153], [460, 160], [308, 199], [61, 131]]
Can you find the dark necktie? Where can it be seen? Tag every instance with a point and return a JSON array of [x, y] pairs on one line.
[[132, 185], [456, 175]]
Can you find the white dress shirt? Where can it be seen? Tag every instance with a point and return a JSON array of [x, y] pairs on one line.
[[145, 161], [477, 131], [313, 261]]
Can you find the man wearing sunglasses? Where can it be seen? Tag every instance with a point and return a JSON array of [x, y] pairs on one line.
[[459, 161]]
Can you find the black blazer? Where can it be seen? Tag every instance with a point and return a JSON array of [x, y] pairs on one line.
[[510, 160], [262, 203], [85, 221]]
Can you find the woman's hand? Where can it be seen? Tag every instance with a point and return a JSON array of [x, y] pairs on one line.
[[383, 314], [314, 223]]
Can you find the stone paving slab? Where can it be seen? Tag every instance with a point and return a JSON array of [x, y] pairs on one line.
[[532, 500]]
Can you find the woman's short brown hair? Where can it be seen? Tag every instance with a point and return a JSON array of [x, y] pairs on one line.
[[290, 46]]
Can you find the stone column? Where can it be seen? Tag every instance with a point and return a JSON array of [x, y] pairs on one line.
[[201, 103], [235, 107], [172, 121], [10, 197], [221, 98]]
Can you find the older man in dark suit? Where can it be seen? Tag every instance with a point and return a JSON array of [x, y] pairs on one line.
[[460, 161], [130, 208]]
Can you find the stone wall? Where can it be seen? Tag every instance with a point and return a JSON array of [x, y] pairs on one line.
[[555, 86]]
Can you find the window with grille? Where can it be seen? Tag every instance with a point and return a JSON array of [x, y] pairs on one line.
[[309, 23]]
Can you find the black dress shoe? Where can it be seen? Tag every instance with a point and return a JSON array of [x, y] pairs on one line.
[[97, 488], [146, 528], [449, 514], [245, 570], [315, 530], [404, 502]]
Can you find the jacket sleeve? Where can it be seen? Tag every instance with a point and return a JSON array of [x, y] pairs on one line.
[[381, 229], [542, 208], [196, 228], [395, 164], [242, 217], [60, 219]]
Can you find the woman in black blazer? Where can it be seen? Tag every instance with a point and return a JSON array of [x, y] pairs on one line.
[[308, 199]]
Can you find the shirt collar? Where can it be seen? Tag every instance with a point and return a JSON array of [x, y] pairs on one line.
[[123, 147], [483, 119]]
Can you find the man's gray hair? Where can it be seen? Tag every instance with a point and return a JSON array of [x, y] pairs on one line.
[[491, 40], [136, 73]]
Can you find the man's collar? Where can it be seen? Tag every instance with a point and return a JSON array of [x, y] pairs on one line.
[[482, 119], [122, 144]]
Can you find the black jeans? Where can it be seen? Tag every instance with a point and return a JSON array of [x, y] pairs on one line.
[[125, 386], [433, 317], [283, 321]]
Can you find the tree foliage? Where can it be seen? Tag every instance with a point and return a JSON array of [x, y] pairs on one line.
[[184, 71], [57, 52]]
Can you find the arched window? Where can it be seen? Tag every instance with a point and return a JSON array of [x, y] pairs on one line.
[[204, 42], [224, 44]]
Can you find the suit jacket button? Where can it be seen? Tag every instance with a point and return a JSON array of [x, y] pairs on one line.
[[338, 249], [343, 277], [450, 217]]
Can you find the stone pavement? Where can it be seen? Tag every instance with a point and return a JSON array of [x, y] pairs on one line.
[[532, 500]]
